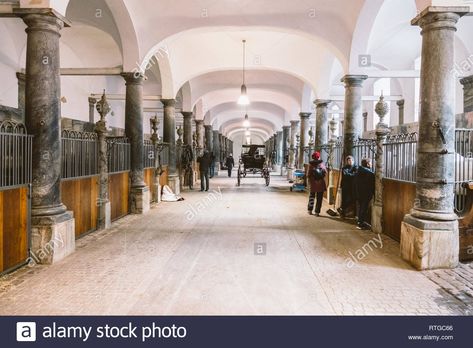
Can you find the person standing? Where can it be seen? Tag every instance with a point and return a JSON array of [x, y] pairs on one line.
[[364, 187], [204, 166], [229, 163], [316, 176], [347, 185]]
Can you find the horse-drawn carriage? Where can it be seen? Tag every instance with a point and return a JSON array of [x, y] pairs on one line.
[[253, 161]]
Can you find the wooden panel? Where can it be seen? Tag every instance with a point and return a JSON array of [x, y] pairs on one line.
[[80, 196], [163, 179], [13, 227], [119, 191], [466, 230], [149, 180], [398, 200], [336, 175]]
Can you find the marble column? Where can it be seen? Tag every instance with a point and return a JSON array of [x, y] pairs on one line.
[[332, 184], [200, 130], [208, 138], [169, 137], [92, 102], [286, 131], [216, 150], [292, 149], [21, 94], [400, 104], [139, 192], [353, 117], [278, 151], [365, 122], [304, 138], [467, 120], [187, 127], [321, 123], [52, 226], [382, 131], [429, 234]]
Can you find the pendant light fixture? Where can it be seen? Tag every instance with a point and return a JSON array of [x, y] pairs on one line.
[[246, 122], [243, 100]]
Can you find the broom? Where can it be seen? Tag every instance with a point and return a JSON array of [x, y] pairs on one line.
[[333, 211]]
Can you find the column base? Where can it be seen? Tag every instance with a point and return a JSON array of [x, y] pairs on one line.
[[290, 172], [429, 244], [139, 200], [174, 184], [377, 218], [277, 168], [105, 215], [52, 238]]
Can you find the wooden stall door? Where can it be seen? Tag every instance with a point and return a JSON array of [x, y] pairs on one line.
[[80, 196], [14, 207], [118, 187], [398, 200]]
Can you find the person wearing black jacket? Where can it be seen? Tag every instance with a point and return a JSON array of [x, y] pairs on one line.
[[364, 186], [229, 163], [347, 185], [204, 166]]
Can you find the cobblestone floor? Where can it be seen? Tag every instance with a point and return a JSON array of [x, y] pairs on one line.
[[201, 256]]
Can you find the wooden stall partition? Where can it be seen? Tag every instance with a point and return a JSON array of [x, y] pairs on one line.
[[119, 188], [398, 200], [13, 227], [80, 196], [466, 228], [163, 179]]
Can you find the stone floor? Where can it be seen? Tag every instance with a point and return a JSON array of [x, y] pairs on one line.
[[241, 250]]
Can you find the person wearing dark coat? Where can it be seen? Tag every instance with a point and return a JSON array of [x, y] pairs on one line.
[[229, 163], [204, 165], [347, 185], [364, 186], [316, 179], [212, 164]]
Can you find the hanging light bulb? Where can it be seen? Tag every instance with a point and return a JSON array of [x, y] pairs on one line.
[[246, 122], [247, 132], [244, 100]]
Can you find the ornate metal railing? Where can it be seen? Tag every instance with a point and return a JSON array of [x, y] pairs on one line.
[[400, 155], [79, 154], [365, 148], [463, 166], [118, 154], [15, 154], [149, 154]]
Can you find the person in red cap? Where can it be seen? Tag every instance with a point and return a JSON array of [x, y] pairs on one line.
[[317, 172]]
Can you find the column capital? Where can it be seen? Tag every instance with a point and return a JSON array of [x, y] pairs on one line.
[[400, 102], [439, 17], [208, 126], [353, 80], [187, 114], [133, 78], [286, 127], [21, 76], [467, 81], [168, 102], [305, 114], [198, 122], [322, 102], [92, 100], [42, 19], [295, 122]]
